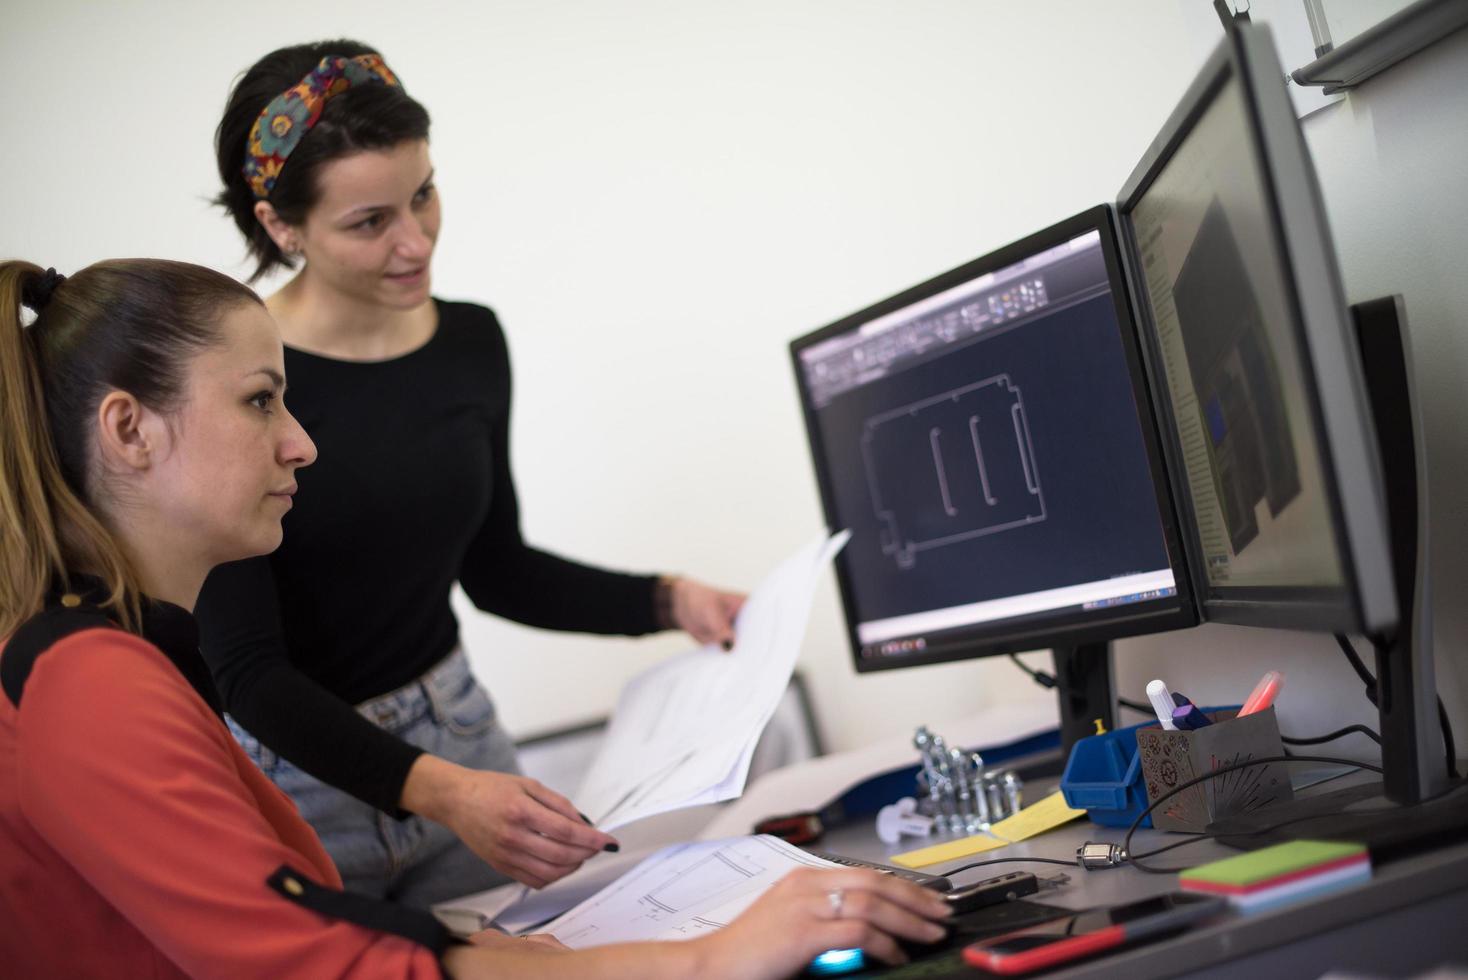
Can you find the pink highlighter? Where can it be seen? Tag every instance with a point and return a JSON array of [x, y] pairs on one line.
[[1264, 693]]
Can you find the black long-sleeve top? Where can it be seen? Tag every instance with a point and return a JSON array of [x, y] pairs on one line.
[[411, 491]]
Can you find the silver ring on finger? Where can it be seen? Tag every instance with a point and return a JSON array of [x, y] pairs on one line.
[[837, 898]]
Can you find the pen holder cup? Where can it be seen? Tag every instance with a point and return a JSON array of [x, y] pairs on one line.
[[1103, 776], [1170, 759]]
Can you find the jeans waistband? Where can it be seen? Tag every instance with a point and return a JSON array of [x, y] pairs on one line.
[[429, 694]]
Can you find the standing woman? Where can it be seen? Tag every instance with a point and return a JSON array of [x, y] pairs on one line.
[[338, 656]]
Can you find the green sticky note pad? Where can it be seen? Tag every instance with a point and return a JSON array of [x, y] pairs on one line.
[[1273, 862]]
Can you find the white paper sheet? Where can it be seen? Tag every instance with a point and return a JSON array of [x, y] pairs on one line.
[[471, 913], [682, 892], [518, 909], [683, 732]]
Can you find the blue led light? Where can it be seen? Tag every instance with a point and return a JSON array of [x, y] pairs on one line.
[[834, 961]]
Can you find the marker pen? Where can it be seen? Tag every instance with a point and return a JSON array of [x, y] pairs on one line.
[[1161, 700], [1263, 694], [1189, 719]]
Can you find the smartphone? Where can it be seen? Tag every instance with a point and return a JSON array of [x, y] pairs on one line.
[[1089, 932]]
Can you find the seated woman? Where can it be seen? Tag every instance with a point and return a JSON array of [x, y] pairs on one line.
[[144, 440]]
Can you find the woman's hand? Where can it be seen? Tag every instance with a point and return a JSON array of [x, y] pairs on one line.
[[703, 612], [810, 911], [518, 826], [494, 955], [791, 924]]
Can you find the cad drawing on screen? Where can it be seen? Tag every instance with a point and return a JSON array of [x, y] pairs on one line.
[[952, 467]]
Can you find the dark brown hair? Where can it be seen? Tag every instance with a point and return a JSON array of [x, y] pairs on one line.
[[365, 117], [127, 324]]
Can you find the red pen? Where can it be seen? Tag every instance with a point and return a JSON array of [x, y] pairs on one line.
[[1264, 693]]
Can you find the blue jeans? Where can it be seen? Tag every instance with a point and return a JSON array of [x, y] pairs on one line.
[[413, 861]]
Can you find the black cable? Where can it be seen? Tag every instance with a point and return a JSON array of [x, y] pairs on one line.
[[1126, 843], [1450, 750], [980, 864], [1048, 681], [1448, 746], [1339, 733], [1361, 671], [1195, 839], [1038, 676], [1192, 839]]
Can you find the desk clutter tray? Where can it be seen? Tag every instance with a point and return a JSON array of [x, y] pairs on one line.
[[1170, 759]]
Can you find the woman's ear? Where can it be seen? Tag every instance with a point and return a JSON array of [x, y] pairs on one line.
[[127, 437], [283, 235]]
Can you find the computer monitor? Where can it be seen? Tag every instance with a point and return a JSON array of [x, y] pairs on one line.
[[1270, 433], [1262, 388], [988, 439]]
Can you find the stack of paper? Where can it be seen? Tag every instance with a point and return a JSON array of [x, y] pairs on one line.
[[682, 892], [517, 909], [684, 732]]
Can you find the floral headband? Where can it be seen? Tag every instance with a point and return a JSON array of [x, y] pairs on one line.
[[290, 116]]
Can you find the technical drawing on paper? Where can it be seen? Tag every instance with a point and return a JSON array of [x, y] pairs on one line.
[[708, 878], [682, 891], [952, 467]]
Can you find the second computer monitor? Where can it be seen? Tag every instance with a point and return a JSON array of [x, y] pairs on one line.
[[1276, 461], [987, 438]]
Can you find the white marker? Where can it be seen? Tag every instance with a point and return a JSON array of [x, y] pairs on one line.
[[1161, 699]]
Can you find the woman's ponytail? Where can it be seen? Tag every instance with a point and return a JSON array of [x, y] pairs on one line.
[[45, 529], [127, 324]]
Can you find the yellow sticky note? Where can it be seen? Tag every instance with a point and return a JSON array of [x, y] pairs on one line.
[[948, 851], [1036, 818]]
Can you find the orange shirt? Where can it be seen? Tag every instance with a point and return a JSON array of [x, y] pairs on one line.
[[136, 837]]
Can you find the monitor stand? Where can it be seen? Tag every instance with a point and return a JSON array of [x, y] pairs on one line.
[[1412, 750], [1085, 689]]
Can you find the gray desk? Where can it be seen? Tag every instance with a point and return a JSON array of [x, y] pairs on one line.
[[1411, 917]]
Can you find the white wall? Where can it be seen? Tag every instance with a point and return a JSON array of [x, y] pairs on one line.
[[658, 196]]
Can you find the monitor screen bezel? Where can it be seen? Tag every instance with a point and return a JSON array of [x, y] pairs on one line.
[[1321, 325], [1043, 631]]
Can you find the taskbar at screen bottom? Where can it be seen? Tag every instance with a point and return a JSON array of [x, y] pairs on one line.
[[917, 634]]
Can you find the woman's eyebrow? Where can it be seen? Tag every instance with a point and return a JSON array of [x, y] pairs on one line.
[[367, 209], [276, 378]]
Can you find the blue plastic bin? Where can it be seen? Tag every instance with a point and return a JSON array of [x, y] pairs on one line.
[[1103, 776]]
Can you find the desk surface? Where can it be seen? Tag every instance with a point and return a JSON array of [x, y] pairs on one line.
[[1411, 916]]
